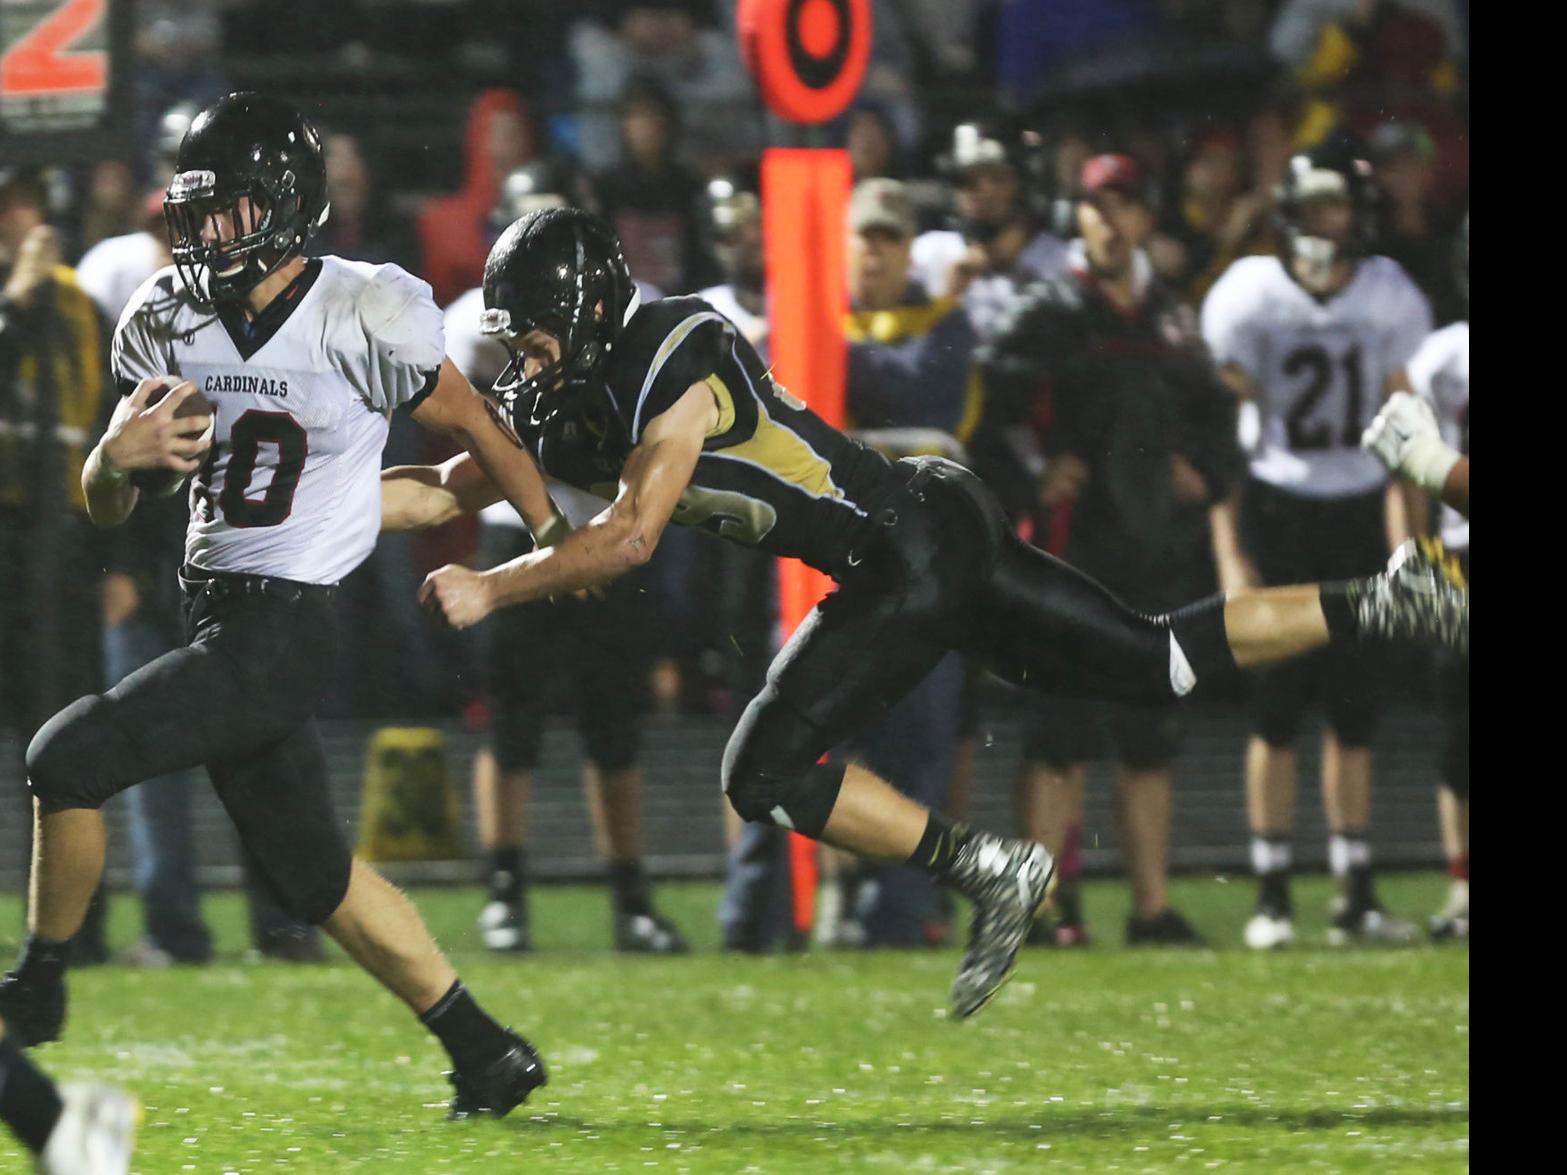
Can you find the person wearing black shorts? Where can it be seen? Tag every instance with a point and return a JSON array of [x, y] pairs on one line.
[[596, 648], [1314, 338], [667, 412], [1138, 432]]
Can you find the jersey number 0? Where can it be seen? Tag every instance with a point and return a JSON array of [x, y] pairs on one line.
[[252, 430]]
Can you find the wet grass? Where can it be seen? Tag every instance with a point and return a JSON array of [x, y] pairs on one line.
[[1100, 1060]]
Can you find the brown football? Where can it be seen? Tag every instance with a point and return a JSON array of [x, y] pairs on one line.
[[161, 483]]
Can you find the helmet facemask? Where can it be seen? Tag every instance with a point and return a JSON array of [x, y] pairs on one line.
[[583, 308], [268, 230], [1314, 252]]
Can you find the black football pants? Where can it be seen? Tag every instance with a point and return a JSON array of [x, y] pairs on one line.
[[942, 570], [239, 699]]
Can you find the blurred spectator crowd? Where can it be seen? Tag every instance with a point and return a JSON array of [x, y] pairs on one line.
[[444, 120]]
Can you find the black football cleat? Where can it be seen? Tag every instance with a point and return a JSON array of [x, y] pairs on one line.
[[34, 1013], [1167, 928], [648, 934], [501, 1086]]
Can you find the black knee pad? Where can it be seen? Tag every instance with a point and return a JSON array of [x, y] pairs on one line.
[[1064, 732], [1283, 693], [305, 864], [69, 757], [516, 737], [308, 885], [770, 772], [611, 745], [1353, 721], [1351, 688], [1147, 738]]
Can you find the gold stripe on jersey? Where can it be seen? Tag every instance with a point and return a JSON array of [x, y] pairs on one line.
[[665, 350], [740, 517], [783, 453], [726, 406]]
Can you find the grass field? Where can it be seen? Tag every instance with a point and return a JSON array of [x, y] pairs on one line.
[[1100, 1060]]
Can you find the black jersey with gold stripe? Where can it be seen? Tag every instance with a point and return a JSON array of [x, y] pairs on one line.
[[772, 474]]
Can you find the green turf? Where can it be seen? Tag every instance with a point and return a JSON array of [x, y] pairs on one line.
[[1099, 1060]]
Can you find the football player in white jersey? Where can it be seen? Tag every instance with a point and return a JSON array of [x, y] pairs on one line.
[[1314, 338], [601, 633], [997, 249], [301, 363], [735, 222], [1424, 438]]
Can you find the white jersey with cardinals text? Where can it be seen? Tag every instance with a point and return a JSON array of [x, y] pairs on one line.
[[1439, 373], [1320, 367], [291, 487]]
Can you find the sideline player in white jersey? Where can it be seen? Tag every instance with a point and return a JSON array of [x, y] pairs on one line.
[[997, 249], [1424, 438], [1315, 338], [591, 642], [301, 362]]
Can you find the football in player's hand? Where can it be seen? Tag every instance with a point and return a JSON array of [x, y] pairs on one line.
[[160, 483]]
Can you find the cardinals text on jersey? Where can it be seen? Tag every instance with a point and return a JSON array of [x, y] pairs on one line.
[[291, 486]]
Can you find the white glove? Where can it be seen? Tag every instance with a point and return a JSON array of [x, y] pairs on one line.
[[1406, 439]]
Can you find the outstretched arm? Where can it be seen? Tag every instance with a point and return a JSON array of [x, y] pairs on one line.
[[457, 409], [417, 496], [623, 537]]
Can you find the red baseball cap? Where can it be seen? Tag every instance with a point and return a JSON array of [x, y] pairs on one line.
[[1120, 173]]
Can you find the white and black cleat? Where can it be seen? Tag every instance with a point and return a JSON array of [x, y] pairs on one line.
[[1007, 881], [1270, 930], [648, 934], [1451, 922], [95, 1134], [1366, 924], [504, 927], [1422, 598]]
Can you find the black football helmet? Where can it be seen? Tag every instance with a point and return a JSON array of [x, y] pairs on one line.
[[559, 270], [993, 143], [729, 206], [543, 183], [249, 146], [1328, 173]]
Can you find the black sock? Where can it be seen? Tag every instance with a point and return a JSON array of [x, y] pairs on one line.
[[939, 844], [1360, 888], [507, 873], [29, 1102], [629, 886], [1069, 902], [465, 1030], [1274, 893], [43, 960], [1338, 609]]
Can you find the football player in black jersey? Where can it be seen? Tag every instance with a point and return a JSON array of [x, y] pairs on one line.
[[666, 411]]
